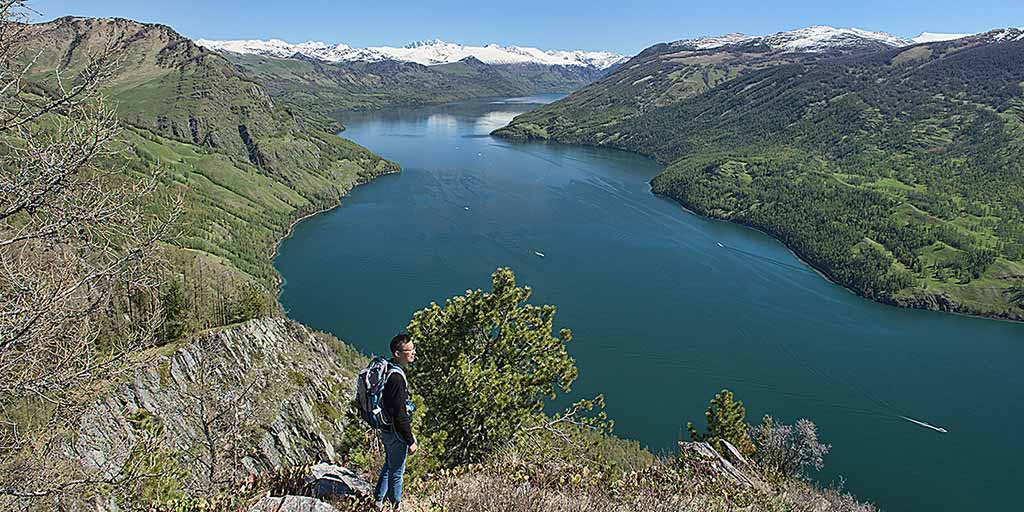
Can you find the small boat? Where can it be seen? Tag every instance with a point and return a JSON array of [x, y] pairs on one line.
[[720, 245], [538, 253], [466, 207]]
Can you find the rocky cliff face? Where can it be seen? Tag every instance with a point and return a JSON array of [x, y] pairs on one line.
[[259, 395]]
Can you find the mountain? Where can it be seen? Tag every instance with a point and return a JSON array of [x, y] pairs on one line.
[[325, 88], [245, 165], [668, 73], [895, 172], [427, 53], [327, 79], [810, 39]]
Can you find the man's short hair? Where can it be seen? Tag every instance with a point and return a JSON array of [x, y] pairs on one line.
[[398, 341]]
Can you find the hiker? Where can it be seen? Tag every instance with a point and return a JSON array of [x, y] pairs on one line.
[[396, 436]]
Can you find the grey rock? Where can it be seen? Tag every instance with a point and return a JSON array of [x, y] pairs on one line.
[[281, 374], [325, 478], [703, 453], [733, 455], [291, 504]]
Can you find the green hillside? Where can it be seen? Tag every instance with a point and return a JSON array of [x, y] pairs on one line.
[[244, 166], [896, 173]]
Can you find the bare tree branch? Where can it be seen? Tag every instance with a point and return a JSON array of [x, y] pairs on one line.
[[80, 270]]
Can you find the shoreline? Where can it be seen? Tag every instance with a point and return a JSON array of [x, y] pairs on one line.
[[893, 302], [897, 302], [276, 247]]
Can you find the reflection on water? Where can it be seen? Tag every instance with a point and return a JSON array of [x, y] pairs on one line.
[[441, 122], [493, 120]]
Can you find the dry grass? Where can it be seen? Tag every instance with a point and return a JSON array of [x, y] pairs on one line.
[[495, 493], [508, 486]]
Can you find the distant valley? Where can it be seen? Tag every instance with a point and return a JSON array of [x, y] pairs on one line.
[[325, 79]]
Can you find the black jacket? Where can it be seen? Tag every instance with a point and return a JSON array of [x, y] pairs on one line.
[[395, 395]]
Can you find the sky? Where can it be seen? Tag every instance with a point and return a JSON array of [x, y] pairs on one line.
[[623, 26]]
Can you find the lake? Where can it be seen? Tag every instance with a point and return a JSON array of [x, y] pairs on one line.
[[664, 299]]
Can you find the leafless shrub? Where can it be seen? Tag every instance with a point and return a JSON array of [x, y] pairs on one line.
[[78, 270], [788, 449], [219, 418]]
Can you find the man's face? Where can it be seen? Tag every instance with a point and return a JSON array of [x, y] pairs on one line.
[[406, 354]]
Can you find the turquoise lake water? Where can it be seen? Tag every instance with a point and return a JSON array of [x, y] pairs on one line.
[[653, 299]]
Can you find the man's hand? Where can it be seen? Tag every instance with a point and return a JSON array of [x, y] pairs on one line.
[[412, 448]]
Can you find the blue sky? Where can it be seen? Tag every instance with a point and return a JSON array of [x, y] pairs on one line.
[[625, 26]]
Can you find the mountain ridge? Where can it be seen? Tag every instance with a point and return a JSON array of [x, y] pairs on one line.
[[915, 150], [427, 52], [818, 38]]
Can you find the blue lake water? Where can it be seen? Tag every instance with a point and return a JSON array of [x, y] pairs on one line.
[[652, 298]]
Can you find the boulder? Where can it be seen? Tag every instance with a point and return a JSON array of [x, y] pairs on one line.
[[291, 504], [329, 480]]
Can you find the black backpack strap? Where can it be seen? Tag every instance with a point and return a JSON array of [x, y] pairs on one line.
[[394, 368]]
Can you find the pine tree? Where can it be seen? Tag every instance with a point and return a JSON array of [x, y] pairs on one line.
[[177, 320], [250, 304], [487, 363], [726, 419]]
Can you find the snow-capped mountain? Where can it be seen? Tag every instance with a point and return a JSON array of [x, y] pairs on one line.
[[427, 53], [810, 39], [992, 36]]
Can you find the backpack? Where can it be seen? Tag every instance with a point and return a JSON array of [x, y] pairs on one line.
[[370, 388]]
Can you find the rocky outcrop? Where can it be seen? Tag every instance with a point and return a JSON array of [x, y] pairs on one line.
[[942, 302], [701, 453], [733, 455], [247, 398]]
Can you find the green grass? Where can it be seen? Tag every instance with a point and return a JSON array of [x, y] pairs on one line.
[[243, 163]]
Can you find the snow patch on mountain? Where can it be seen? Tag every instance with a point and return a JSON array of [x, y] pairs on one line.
[[428, 53], [708, 43], [1006, 34], [810, 39], [822, 38], [931, 37]]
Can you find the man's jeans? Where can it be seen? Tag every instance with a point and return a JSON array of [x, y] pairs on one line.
[[389, 483]]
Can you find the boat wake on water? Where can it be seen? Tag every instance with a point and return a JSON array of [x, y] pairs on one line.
[[883, 408], [763, 258], [925, 425]]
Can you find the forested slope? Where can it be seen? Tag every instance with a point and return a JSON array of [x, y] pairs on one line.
[[897, 173]]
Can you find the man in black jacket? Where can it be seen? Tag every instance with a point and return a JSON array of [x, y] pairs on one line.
[[397, 437]]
